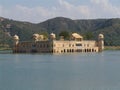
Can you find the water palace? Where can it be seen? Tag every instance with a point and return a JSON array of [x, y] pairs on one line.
[[52, 45]]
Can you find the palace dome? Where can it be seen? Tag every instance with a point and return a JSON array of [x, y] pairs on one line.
[[16, 37], [52, 35], [101, 36]]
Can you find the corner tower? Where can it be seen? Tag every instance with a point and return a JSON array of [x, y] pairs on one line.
[[101, 42], [16, 39]]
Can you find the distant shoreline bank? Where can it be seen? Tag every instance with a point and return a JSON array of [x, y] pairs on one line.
[[112, 47], [3, 49]]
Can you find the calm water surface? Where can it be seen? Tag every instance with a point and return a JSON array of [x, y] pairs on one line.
[[83, 71]]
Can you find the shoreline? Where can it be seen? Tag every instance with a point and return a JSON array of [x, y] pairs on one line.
[[106, 48], [112, 48], [4, 49]]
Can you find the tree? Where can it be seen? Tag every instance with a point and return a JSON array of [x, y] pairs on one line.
[[88, 35], [65, 34]]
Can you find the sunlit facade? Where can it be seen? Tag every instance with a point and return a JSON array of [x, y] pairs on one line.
[[74, 45]]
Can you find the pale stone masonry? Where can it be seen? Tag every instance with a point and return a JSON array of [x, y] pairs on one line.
[[51, 45]]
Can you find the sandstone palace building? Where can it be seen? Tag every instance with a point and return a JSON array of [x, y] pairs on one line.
[[52, 45]]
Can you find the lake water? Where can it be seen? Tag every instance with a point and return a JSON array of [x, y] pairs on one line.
[[82, 71]]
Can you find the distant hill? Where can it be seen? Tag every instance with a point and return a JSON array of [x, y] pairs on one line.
[[109, 27]]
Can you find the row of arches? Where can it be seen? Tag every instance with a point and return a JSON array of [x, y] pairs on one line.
[[74, 50]]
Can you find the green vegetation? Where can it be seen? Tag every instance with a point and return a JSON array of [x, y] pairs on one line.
[[88, 36], [112, 47], [61, 26], [65, 34]]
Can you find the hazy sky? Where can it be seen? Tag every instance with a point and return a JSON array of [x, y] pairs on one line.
[[41, 10]]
